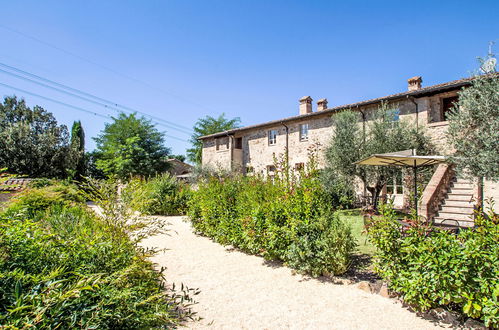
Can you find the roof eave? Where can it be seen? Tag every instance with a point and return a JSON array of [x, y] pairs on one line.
[[430, 90]]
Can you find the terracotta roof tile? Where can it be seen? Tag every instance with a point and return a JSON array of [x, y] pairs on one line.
[[416, 93]]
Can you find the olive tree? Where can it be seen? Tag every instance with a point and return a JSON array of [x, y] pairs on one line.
[[474, 128], [352, 142]]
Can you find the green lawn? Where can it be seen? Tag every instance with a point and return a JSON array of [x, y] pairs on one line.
[[356, 221]]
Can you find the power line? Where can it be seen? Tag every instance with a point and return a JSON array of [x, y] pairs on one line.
[[107, 103], [75, 107], [103, 67]]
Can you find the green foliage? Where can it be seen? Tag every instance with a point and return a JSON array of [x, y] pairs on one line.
[[34, 200], [340, 192], [322, 246], [64, 267], [474, 128], [160, 195], [431, 267], [182, 158], [31, 141], [205, 126], [352, 142], [288, 219], [78, 151], [131, 146]]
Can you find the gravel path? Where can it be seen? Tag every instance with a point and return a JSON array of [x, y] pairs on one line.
[[240, 291]]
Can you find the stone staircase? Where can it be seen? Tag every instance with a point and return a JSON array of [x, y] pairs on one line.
[[457, 205]]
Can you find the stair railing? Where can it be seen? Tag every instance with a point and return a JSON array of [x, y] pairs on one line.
[[435, 191]]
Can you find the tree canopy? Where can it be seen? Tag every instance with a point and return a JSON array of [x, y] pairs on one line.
[[131, 145], [205, 126], [351, 142], [474, 128], [31, 141]]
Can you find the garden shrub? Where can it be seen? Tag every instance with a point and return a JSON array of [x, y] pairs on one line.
[[288, 219], [33, 200], [62, 266], [321, 247], [160, 195], [430, 267]]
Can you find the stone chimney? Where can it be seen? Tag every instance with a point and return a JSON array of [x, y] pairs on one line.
[[414, 83], [322, 104], [305, 105]]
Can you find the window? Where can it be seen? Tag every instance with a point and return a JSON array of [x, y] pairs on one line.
[[447, 106], [395, 186], [270, 168], [249, 169], [239, 143], [396, 115], [304, 132], [299, 166], [222, 143], [272, 137], [395, 118]]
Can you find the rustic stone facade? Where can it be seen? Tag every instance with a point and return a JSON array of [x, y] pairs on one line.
[[251, 149]]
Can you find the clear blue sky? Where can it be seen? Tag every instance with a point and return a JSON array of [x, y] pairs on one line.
[[252, 59]]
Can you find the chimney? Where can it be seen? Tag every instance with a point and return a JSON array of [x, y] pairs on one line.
[[322, 104], [305, 105], [414, 83]]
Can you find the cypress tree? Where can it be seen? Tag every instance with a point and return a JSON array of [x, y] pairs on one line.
[[78, 149]]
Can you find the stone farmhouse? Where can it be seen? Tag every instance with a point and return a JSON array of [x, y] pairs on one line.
[[447, 197]]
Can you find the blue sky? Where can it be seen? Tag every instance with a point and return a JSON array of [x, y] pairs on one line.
[[181, 60]]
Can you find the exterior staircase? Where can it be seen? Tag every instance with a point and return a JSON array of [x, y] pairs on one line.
[[448, 199], [457, 206]]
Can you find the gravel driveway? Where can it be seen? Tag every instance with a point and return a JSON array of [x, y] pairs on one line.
[[240, 291]]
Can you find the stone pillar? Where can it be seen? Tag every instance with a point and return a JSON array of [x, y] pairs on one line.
[[414, 83], [322, 104], [305, 105]]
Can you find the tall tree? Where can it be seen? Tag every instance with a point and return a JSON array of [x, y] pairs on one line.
[[131, 145], [205, 126], [474, 128], [351, 142], [78, 150], [31, 141]]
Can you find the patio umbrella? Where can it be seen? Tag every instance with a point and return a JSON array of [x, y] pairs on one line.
[[404, 158]]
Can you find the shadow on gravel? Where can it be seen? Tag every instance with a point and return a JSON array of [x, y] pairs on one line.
[[361, 269]]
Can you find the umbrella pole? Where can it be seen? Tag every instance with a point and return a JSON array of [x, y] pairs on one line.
[[415, 189]]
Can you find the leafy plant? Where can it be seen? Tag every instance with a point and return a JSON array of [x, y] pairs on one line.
[[35, 200], [431, 267], [288, 218], [62, 266], [159, 195]]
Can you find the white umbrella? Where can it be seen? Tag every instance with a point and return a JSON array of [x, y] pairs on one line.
[[404, 158]]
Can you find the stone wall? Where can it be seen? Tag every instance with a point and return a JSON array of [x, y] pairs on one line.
[[257, 154], [491, 193], [219, 159]]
